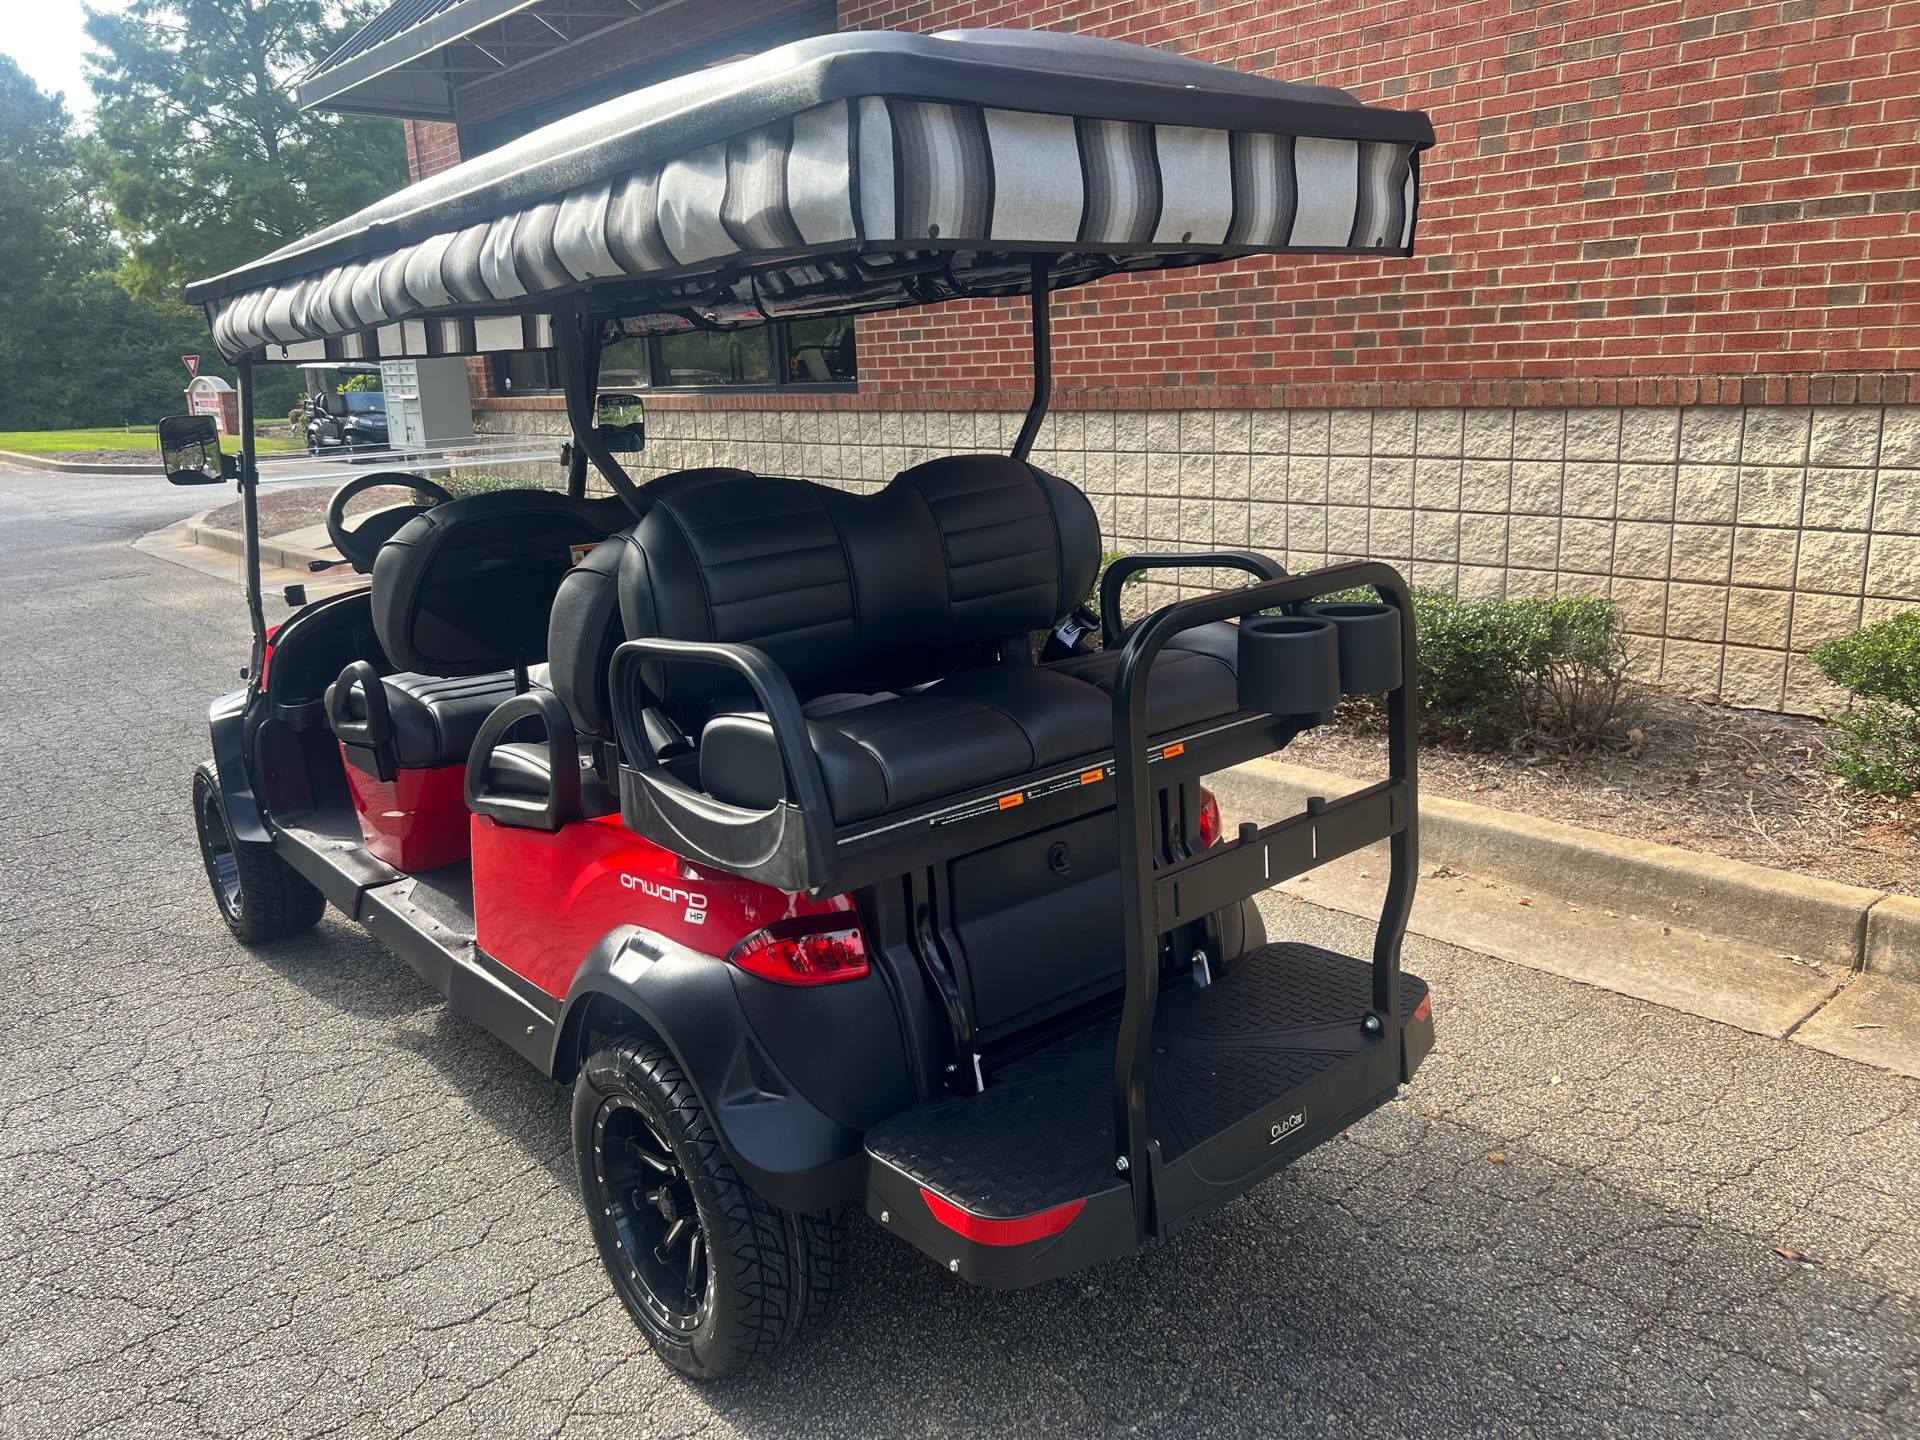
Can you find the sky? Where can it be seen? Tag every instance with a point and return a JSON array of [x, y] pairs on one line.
[[48, 39]]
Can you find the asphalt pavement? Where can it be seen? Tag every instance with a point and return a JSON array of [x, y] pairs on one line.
[[285, 1193]]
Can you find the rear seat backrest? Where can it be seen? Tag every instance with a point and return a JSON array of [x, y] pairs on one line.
[[853, 592], [466, 587]]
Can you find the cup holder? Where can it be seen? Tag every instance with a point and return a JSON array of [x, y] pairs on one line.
[[1368, 634], [1289, 664]]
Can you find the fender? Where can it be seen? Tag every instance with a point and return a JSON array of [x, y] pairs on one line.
[[226, 718], [785, 1147]]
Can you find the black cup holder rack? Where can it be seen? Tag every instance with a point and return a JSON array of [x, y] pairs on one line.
[[1302, 662]]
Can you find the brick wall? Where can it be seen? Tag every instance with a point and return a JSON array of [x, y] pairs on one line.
[[1694, 201]]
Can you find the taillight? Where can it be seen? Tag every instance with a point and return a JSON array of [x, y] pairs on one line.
[[1210, 826], [266, 653], [984, 1231], [807, 950]]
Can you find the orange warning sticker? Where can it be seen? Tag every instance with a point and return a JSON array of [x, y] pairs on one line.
[[1173, 750], [1092, 777], [1007, 802]]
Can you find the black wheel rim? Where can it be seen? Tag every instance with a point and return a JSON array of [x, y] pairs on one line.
[[660, 1261], [216, 849]]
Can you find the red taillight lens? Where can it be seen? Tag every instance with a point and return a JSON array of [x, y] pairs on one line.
[[809, 950], [983, 1231], [1424, 1010], [266, 654], [1209, 819]]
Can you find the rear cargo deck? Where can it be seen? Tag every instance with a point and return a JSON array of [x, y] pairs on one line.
[[1242, 1076]]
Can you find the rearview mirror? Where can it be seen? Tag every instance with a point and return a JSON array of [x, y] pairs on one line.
[[190, 450], [620, 421]]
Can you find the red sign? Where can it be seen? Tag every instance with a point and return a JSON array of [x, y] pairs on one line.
[[192, 362]]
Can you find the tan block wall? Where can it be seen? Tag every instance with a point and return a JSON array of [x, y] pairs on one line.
[[1733, 538]]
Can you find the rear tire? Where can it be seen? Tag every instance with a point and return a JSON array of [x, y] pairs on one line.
[[714, 1275], [260, 896]]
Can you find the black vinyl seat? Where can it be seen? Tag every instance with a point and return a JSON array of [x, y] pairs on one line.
[[1195, 679], [434, 718], [976, 728], [525, 768], [902, 621], [461, 596]]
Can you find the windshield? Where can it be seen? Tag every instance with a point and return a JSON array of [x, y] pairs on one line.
[[362, 402]]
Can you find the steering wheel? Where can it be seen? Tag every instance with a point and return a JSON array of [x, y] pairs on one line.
[[360, 544]]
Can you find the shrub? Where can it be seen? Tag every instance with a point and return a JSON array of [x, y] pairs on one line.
[[1876, 745], [1506, 672]]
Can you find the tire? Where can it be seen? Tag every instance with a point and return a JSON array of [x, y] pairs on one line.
[[259, 895], [749, 1277]]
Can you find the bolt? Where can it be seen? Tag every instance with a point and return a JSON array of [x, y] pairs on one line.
[[1198, 958], [954, 1266], [1371, 1025], [1121, 1165], [886, 1217]]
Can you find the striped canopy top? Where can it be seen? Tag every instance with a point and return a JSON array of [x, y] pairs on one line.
[[849, 173]]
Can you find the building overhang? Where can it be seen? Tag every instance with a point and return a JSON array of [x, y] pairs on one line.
[[409, 61]]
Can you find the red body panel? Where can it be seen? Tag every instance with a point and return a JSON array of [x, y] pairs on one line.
[[416, 821], [541, 901]]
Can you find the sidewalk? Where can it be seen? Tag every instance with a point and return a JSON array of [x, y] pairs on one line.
[[1830, 966]]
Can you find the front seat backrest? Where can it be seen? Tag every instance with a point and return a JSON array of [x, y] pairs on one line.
[[468, 586]]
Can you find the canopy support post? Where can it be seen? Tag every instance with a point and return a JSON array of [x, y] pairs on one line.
[[1042, 359], [578, 352], [250, 517]]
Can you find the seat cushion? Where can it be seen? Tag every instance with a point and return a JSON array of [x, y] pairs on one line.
[[1193, 679], [434, 718], [527, 769], [979, 727]]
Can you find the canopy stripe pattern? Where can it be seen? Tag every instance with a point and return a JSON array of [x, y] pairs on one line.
[[860, 204]]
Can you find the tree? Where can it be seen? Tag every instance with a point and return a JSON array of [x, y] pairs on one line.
[[75, 348], [205, 159]]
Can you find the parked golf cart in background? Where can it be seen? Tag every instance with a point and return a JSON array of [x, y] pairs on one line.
[[349, 421], [750, 806]]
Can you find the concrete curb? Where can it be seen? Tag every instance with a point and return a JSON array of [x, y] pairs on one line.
[[1842, 926], [78, 467], [272, 552]]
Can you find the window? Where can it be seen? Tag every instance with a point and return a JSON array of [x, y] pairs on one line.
[[800, 352]]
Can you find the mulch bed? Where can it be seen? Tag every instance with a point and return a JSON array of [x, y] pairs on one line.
[[1744, 784], [105, 457], [283, 510]]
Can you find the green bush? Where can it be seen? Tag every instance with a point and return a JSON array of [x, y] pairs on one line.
[[1876, 745], [1504, 672]]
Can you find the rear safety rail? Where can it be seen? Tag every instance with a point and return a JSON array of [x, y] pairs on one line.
[[1298, 658], [1263, 857]]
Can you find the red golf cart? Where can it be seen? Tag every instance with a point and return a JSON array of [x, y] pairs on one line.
[[803, 832]]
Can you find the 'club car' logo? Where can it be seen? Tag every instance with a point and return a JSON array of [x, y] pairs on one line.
[[696, 903], [1280, 1129]]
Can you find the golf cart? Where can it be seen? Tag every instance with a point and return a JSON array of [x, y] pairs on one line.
[[800, 830], [346, 420]]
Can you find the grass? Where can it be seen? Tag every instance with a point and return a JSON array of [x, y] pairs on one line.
[[138, 439]]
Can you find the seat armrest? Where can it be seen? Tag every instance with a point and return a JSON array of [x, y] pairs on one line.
[[562, 805], [792, 844], [806, 789], [1261, 567], [374, 734]]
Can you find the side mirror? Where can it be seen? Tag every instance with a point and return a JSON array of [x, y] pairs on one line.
[[620, 421], [190, 451]]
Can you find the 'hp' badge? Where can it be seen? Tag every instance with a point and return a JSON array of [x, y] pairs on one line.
[[1280, 1129]]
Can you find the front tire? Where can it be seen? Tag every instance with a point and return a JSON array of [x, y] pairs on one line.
[[714, 1275], [260, 896]]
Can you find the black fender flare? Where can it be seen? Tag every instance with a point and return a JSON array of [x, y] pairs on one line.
[[227, 720], [782, 1145]]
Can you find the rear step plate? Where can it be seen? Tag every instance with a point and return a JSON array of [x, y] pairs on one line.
[[1018, 1183]]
